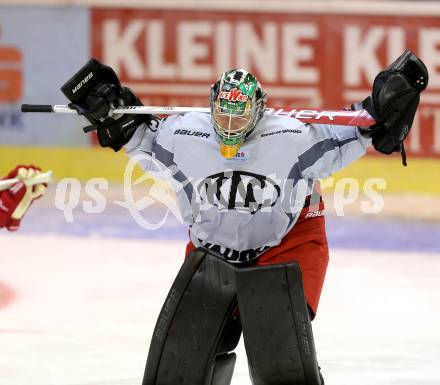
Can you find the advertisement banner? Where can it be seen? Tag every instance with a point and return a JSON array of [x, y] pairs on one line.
[[38, 53], [170, 57]]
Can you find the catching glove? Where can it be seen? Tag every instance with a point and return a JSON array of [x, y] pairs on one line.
[[394, 101]]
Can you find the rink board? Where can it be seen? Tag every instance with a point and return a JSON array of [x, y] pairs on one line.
[[421, 175]]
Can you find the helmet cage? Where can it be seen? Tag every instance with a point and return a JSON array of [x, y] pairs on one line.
[[232, 125]]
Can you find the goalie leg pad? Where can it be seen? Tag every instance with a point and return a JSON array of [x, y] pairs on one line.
[[224, 367], [193, 326], [276, 326]]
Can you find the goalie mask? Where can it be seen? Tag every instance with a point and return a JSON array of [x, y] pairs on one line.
[[237, 104]]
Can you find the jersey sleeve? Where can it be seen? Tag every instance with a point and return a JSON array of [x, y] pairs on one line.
[[331, 148], [152, 147]]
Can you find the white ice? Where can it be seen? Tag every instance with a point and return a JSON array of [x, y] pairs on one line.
[[84, 310]]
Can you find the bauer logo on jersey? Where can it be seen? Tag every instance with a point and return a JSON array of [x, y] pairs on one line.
[[234, 95], [192, 133], [239, 190]]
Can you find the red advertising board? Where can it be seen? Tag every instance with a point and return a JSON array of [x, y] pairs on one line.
[[170, 57]]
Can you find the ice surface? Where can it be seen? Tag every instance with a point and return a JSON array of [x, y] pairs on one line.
[[82, 310]]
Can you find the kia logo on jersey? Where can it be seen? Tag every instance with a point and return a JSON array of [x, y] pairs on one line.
[[239, 190]]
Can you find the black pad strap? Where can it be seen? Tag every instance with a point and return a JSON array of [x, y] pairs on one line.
[[191, 325], [276, 326]]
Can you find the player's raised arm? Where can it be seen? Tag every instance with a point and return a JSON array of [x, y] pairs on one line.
[[393, 104], [94, 91]]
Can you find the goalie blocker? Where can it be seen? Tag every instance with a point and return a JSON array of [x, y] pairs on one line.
[[94, 91], [199, 326]]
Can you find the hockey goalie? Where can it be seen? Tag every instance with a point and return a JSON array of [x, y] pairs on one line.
[[256, 259]]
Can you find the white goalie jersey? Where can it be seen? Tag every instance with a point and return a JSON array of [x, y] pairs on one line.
[[242, 206]]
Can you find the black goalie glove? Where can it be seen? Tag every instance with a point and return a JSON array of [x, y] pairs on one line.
[[94, 91], [394, 101]]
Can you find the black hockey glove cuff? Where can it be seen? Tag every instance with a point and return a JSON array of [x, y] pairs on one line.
[[113, 130], [116, 131]]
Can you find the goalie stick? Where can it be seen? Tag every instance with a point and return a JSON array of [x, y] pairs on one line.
[[359, 118], [46, 177]]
